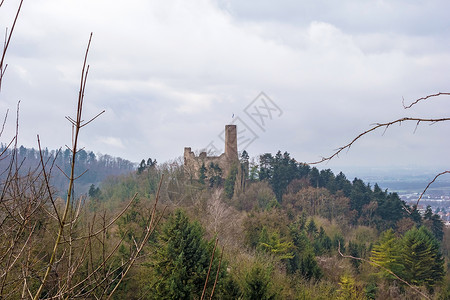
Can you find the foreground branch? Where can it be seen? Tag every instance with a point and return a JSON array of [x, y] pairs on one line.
[[63, 219], [430, 183], [377, 126], [7, 41]]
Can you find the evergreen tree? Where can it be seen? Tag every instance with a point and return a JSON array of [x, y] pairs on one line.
[[230, 182], [356, 249], [265, 166], [322, 243], [343, 184], [437, 227], [94, 192], [387, 253], [202, 174], [311, 228], [245, 163], [304, 261], [428, 213], [142, 166], [434, 223], [257, 284], [360, 195], [214, 175], [422, 258], [347, 290], [182, 259], [275, 245]]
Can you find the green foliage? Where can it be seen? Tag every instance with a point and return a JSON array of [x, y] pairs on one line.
[[356, 249], [230, 182], [304, 261], [387, 253], [415, 258], [370, 290], [245, 164], [202, 174], [347, 290], [275, 245], [214, 175], [181, 261], [279, 171], [146, 165], [315, 290], [434, 223], [422, 258], [322, 244], [258, 284], [94, 192], [311, 228], [141, 167]]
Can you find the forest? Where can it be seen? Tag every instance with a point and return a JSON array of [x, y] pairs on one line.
[[94, 168], [272, 228]]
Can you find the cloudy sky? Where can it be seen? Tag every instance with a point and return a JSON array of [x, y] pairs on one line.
[[172, 73]]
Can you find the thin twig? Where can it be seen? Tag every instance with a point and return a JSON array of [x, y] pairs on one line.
[[209, 270], [112, 221], [217, 273], [2, 71], [4, 122], [421, 99], [47, 184], [430, 183], [71, 180]]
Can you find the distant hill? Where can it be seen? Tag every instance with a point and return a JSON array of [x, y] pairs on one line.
[[93, 168]]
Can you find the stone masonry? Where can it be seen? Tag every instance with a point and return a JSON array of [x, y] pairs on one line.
[[193, 163]]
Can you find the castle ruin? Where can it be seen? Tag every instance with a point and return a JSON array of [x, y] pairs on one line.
[[225, 161]]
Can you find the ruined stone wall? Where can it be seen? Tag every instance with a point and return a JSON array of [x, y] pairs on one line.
[[193, 163]]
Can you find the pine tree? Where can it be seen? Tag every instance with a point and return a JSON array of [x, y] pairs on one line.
[[387, 253], [257, 284], [422, 259], [202, 174], [182, 260], [347, 290]]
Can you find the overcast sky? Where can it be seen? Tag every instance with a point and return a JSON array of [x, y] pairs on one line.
[[172, 73]]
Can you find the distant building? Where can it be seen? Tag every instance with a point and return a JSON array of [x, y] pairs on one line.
[[225, 161]]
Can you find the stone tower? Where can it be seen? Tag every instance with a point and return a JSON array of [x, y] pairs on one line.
[[231, 142]]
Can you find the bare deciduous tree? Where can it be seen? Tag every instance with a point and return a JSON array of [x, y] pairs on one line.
[[52, 248]]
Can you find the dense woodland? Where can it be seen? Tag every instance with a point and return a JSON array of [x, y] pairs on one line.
[[95, 168], [284, 230]]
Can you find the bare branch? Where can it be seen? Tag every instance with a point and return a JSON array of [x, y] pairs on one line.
[[98, 115], [421, 99], [430, 183], [209, 270], [111, 222], [217, 274], [375, 127], [47, 184], [2, 71], [71, 180], [4, 122]]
